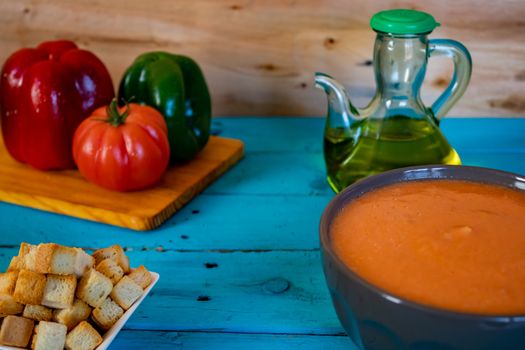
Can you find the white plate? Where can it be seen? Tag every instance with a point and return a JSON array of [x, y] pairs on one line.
[[110, 335]]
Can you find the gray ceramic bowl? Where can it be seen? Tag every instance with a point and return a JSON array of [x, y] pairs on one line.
[[376, 319]]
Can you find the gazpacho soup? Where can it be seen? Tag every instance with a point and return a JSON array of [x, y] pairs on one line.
[[449, 244]]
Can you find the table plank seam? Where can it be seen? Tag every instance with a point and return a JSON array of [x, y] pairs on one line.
[[492, 150], [263, 195], [160, 249], [215, 331], [224, 251]]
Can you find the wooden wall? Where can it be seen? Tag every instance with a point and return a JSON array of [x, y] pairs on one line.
[[259, 56]]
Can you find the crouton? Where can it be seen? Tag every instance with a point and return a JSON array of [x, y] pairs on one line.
[[16, 264], [59, 292], [126, 292], [83, 337], [37, 258], [111, 270], [141, 276], [25, 249], [50, 258], [16, 331], [107, 314], [83, 262], [29, 287], [49, 336], [73, 315], [63, 261], [114, 252], [37, 313], [8, 305], [94, 288], [8, 282]]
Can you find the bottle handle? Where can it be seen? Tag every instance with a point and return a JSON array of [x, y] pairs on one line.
[[461, 77]]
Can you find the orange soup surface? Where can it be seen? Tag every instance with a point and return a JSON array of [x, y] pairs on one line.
[[449, 244]]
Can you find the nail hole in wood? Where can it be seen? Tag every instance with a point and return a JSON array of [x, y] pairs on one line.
[[184, 237], [520, 76], [440, 82], [203, 298], [236, 7], [195, 211], [211, 265], [329, 42], [366, 63], [267, 66]]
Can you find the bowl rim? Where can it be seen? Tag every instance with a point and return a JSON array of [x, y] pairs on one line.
[[400, 175]]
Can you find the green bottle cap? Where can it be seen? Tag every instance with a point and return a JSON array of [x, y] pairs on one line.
[[401, 21]]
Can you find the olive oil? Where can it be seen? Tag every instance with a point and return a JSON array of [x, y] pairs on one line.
[[373, 146]]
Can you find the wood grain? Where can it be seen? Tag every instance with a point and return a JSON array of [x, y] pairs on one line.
[[131, 340], [259, 56], [279, 188], [242, 233], [68, 193], [197, 226], [232, 297]]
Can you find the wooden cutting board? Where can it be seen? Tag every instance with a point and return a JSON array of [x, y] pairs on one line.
[[67, 192]]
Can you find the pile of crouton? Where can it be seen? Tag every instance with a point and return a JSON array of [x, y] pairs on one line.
[[56, 297]]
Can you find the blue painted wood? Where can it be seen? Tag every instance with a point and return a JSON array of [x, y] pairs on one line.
[[275, 174], [258, 223], [486, 135], [208, 222], [305, 134], [239, 301], [273, 134], [304, 174], [131, 340], [513, 162], [235, 293]]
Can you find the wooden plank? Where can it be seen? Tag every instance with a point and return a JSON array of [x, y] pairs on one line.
[[233, 296], [130, 340], [273, 134], [283, 211], [304, 174], [208, 222], [239, 302], [485, 135], [280, 221], [305, 135], [259, 57], [514, 162], [274, 174], [68, 193], [263, 184]]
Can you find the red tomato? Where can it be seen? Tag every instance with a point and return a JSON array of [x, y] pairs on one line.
[[122, 149]]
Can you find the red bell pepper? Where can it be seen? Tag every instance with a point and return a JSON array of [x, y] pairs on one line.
[[45, 93]]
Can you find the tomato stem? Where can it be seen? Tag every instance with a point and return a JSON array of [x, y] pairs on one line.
[[114, 116]]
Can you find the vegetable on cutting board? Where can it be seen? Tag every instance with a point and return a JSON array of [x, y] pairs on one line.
[[122, 149], [176, 87], [45, 92]]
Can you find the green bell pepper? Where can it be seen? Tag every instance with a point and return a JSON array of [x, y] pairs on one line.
[[176, 87]]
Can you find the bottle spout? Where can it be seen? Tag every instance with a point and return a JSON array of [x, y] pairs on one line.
[[338, 101]]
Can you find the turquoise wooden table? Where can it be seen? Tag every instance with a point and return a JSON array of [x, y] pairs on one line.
[[239, 265]]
